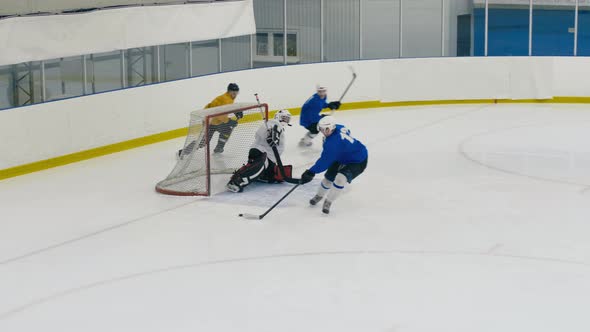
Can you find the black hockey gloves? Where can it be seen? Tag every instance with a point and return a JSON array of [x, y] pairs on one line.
[[273, 136], [306, 177], [239, 115], [334, 105]]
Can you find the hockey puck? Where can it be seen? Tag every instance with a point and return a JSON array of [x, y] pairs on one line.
[[241, 215]]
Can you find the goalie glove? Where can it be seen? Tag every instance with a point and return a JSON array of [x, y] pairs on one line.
[[273, 136]]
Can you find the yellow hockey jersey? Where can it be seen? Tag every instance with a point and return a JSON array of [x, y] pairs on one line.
[[224, 99]]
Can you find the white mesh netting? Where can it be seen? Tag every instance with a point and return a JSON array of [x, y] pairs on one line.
[[217, 143]]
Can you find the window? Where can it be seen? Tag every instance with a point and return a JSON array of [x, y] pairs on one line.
[[262, 44], [291, 44], [270, 47], [278, 44]]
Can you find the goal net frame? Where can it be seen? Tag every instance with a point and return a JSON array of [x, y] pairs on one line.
[[261, 114]]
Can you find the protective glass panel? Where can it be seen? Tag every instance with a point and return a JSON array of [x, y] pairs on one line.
[[508, 31], [141, 67], [422, 21], [27, 83], [553, 29], [205, 57], [174, 61], [341, 30], [6, 87], [64, 78], [269, 15], [303, 31], [235, 53], [458, 28], [584, 31], [381, 29], [104, 71]]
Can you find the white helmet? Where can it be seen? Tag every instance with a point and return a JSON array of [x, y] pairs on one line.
[[327, 122], [283, 116], [320, 88]]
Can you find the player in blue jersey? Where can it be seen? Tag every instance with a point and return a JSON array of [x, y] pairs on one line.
[[310, 113], [343, 157]]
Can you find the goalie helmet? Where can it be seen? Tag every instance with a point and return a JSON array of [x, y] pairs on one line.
[[327, 122], [283, 116]]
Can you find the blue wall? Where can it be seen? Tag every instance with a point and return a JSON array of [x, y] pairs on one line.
[[508, 32]]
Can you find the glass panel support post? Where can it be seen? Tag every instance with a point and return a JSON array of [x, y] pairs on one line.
[[285, 32], [401, 28], [219, 54], [442, 28], [530, 27], [251, 51], [158, 66], [43, 90], [321, 30], [485, 37], [360, 29], [84, 75], [576, 27], [123, 71], [189, 59]]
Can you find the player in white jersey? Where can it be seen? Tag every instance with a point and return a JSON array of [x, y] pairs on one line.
[[262, 163]]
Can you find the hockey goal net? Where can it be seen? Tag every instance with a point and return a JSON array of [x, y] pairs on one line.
[[201, 157]]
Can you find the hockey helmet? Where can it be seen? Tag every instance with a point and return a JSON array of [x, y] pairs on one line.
[[327, 122], [283, 116], [233, 87]]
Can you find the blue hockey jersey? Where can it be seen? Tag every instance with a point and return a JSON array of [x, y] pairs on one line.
[[310, 112], [342, 148]]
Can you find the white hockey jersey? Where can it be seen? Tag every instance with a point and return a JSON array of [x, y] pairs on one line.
[[260, 139]]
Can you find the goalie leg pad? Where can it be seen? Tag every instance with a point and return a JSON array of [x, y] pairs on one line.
[[257, 164], [269, 173]]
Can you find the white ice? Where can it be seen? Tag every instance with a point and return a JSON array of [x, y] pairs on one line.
[[468, 218]]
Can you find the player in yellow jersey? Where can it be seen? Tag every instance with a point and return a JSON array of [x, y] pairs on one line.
[[222, 124]]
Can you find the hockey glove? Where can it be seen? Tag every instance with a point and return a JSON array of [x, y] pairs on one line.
[[334, 105], [306, 177], [239, 115]]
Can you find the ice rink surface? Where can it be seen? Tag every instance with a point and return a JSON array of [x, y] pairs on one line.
[[468, 218]]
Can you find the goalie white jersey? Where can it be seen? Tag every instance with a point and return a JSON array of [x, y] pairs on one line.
[[261, 144]]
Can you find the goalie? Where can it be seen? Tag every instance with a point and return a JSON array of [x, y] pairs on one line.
[[262, 164]]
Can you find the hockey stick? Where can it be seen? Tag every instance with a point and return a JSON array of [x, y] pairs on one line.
[[259, 217], [347, 88]]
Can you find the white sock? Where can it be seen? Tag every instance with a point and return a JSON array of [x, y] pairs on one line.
[[324, 187], [339, 183]]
